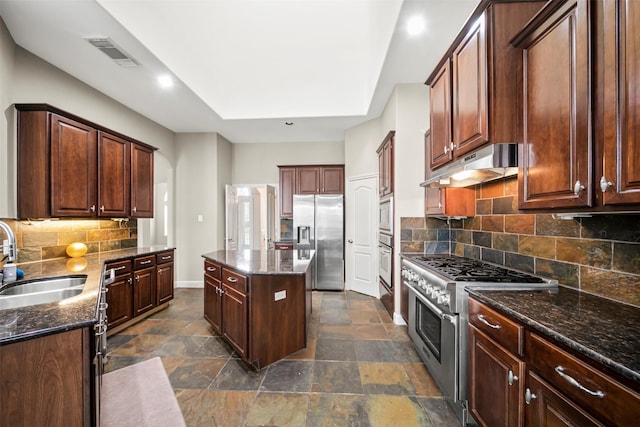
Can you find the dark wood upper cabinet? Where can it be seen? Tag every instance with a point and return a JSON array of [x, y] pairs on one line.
[[470, 91], [556, 151], [70, 167], [385, 165], [440, 107], [287, 189], [474, 95], [308, 179], [446, 202], [141, 181], [618, 139], [113, 175], [73, 168]]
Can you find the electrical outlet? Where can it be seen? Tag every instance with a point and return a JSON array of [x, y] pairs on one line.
[[279, 295]]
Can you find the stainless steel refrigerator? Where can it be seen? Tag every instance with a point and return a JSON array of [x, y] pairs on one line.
[[318, 223]]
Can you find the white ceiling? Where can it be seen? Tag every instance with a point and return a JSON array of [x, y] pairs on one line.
[[244, 67]]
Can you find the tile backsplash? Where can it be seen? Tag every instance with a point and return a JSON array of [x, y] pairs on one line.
[[44, 240], [599, 254]]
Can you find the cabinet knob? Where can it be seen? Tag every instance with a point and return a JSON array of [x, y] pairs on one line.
[[528, 396], [92, 208], [511, 378], [578, 188], [102, 208], [130, 281], [134, 209], [605, 184], [137, 278]]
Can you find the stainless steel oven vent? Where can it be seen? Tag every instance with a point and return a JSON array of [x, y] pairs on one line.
[[106, 45]]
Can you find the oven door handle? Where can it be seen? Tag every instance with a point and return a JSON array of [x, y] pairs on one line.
[[441, 314]]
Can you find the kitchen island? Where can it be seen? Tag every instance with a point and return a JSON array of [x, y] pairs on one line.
[[259, 301]]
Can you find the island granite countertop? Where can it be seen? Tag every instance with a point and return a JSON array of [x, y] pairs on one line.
[[599, 328], [264, 262], [71, 313]]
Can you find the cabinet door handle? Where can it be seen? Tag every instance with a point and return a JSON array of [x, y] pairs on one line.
[[122, 267], [560, 371], [605, 184], [211, 269], [511, 378], [148, 261], [232, 279], [578, 187], [491, 325], [166, 257], [528, 396]]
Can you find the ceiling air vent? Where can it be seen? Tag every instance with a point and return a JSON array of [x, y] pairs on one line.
[[106, 45]]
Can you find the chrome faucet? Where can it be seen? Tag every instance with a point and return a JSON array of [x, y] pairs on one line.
[[9, 249]]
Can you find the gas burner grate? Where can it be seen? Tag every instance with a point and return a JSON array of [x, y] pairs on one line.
[[469, 270]]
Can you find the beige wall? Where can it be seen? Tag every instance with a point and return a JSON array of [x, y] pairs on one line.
[[258, 163], [202, 170], [361, 143], [7, 52]]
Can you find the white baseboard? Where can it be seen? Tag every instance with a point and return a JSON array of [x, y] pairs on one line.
[[189, 284], [398, 320]]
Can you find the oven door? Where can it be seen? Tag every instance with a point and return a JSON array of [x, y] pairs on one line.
[[384, 264], [435, 335]]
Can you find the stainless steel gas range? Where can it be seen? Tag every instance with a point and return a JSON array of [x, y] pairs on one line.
[[438, 314]]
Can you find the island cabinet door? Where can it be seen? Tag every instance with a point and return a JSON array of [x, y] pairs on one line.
[[213, 302], [234, 326]]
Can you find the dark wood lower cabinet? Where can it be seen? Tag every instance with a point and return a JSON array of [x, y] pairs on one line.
[[234, 328], [544, 384], [545, 406], [495, 385], [46, 381], [144, 290], [164, 283], [140, 288]]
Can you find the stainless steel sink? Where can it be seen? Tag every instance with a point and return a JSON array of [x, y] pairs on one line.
[[40, 291]]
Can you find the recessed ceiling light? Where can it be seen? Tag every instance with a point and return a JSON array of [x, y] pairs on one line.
[[288, 123], [415, 25], [165, 81]]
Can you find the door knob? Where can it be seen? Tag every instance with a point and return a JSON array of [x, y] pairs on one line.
[[350, 241]]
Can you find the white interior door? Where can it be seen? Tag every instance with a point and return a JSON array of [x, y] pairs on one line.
[[361, 233]]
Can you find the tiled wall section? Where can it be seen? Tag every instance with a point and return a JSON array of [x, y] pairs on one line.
[[600, 254], [44, 240]]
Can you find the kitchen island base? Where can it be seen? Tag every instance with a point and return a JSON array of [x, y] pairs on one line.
[[259, 302]]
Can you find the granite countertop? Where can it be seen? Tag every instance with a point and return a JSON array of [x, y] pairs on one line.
[[264, 262], [602, 329], [71, 313]]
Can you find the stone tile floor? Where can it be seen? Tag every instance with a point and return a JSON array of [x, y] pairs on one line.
[[359, 369]]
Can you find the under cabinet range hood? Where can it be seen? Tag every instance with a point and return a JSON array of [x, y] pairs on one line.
[[486, 164]]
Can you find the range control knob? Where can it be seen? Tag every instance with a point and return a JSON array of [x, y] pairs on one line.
[[444, 298]]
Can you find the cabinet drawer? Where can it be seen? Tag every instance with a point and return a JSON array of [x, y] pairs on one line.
[[591, 389], [212, 269], [120, 267], [164, 257], [506, 332], [234, 280], [144, 262]]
